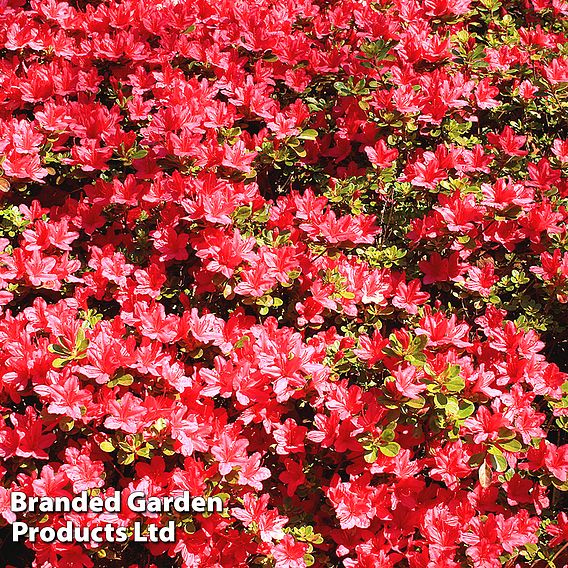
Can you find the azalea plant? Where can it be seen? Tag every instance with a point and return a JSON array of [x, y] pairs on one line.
[[310, 257]]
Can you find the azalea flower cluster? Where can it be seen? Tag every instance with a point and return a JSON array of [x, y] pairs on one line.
[[309, 257]]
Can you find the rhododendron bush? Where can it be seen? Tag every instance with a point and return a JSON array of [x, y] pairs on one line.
[[308, 256]]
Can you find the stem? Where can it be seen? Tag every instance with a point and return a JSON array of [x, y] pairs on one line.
[[560, 552]]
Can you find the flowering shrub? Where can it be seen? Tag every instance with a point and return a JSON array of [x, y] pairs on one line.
[[310, 257]]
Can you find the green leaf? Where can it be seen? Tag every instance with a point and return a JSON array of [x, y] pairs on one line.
[[107, 446], [440, 400], [419, 342], [455, 385], [125, 459], [506, 434], [476, 459], [416, 359], [139, 154], [81, 342], [160, 424], [452, 407], [466, 408], [144, 451], [498, 461], [309, 134], [511, 446], [125, 380], [417, 403], [60, 363], [390, 450], [243, 212], [241, 341], [58, 349], [531, 549], [371, 455], [387, 435], [80, 336]]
